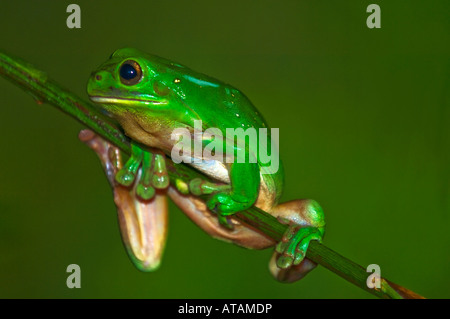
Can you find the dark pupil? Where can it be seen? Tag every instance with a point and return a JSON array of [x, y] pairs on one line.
[[128, 72]]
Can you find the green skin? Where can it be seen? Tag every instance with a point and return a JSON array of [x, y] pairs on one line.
[[162, 96]]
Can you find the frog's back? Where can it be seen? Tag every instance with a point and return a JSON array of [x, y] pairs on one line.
[[223, 106], [237, 111], [227, 107]]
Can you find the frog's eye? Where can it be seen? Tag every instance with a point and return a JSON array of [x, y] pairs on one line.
[[130, 72]]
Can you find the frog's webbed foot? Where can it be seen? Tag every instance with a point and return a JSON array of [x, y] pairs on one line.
[[226, 203], [154, 173], [199, 187], [223, 202], [306, 222], [294, 244]]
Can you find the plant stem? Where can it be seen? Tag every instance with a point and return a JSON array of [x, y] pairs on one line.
[[45, 90]]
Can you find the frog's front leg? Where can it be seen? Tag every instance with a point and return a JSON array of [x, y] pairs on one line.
[[227, 200], [306, 222], [154, 173]]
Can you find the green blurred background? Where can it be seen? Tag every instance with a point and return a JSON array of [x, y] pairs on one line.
[[364, 129]]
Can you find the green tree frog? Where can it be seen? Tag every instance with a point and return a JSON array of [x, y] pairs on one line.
[[150, 97]]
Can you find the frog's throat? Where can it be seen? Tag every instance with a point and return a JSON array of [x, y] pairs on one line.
[[126, 101]]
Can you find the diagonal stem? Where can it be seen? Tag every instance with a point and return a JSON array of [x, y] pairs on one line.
[[45, 90]]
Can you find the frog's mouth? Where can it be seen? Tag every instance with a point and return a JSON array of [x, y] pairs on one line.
[[119, 100]]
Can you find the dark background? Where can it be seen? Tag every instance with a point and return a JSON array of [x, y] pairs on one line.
[[364, 129]]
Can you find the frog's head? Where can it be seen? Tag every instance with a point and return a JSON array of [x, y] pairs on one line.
[[132, 82]]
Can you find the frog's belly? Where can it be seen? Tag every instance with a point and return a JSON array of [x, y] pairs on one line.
[[214, 169]]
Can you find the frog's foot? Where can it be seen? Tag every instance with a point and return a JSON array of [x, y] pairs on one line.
[[152, 175], [306, 222], [160, 179], [225, 204], [294, 244], [198, 187]]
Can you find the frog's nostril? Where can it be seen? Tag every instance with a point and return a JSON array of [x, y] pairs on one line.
[[98, 77]]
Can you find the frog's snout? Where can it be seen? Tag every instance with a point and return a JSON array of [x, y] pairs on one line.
[[97, 77], [96, 82]]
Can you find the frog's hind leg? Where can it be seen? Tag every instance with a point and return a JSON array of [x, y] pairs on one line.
[[143, 223], [199, 213], [306, 222]]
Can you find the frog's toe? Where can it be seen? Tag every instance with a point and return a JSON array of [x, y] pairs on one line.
[[125, 177], [294, 244], [198, 186], [145, 192], [127, 174], [160, 182], [160, 178], [285, 261], [195, 187], [225, 222], [144, 189], [290, 274], [216, 203], [225, 204], [153, 175], [302, 247]]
